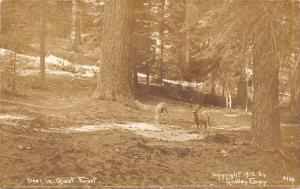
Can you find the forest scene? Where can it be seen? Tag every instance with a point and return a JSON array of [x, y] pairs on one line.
[[149, 93]]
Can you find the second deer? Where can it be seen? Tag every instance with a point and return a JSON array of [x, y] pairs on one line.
[[201, 119]]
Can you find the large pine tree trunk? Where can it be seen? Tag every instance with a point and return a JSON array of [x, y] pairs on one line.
[[265, 124], [265, 128], [114, 82], [294, 64]]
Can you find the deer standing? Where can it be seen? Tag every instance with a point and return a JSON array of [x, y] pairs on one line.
[[201, 119]]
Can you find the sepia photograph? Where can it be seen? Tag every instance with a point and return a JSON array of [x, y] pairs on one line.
[[181, 94]]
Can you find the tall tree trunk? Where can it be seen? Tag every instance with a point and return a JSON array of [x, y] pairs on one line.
[[136, 43], [187, 33], [294, 34], [294, 64], [265, 128], [147, 75], [1, 33], [42, 43], [15, 49], [223, 87], [114, 82], [213, 83], [73, 27], [228, 97], [162, 40], [10, 41], [242, 91], [293, 89], [297, 89], [76, 26], [135, 76], [14, 63], [247, 96], [134, 62]]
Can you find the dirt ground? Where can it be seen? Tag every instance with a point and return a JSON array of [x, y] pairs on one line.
[[38, 148]]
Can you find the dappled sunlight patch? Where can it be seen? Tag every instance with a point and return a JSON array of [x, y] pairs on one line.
[[29, 65], [87, 128], [58, 73], [143, 129], [54, 72], [231, 115], [176, 135], [290, 125], [30, 60], [231, 127], [246, 113], [104, 126], [13, 117], [180, 110]]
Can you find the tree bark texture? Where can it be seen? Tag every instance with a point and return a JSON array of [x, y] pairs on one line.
[[114, 81], [265, 128]]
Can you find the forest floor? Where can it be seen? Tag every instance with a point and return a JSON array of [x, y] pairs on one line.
[[59, 135]]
